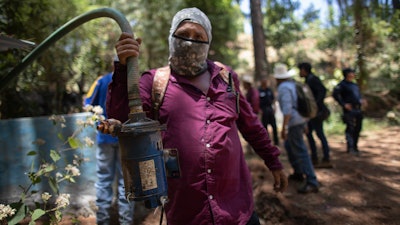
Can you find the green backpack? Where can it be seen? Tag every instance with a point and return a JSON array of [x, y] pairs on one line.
[[306, 104]]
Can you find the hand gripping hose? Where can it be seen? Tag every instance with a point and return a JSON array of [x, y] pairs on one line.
[[135, 104]]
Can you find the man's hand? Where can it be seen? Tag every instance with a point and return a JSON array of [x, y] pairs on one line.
[[280, 180], [109, 126], [126, 47], [306, 129], [348, 106], [284, 132]]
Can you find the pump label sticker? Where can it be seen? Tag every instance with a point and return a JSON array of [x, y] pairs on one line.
[[148, 175]]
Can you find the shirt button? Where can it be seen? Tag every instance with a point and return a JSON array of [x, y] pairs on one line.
[[208, 121], [208, 145], [209, 171], [208, 98], [210, 197]]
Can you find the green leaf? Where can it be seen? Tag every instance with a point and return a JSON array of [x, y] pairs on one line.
[[19, 215], [54, 185], [58, 215], [55, 156], [35, 178], [37, 214], [60, 136], [74, 143], [72, 180], [45, 170], [31, 153]]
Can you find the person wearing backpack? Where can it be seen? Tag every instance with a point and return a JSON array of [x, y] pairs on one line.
[[348, 95], [203, 114], [292, 131], [316, 124]]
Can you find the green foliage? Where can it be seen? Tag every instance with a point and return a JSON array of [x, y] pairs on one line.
[[56, 81], [282, 26]]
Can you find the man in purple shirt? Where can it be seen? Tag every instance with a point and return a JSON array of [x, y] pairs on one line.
[[203, 118]]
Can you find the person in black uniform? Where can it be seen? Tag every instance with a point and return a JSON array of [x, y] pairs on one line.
[[347, 94], [267, 99], [316, 123]]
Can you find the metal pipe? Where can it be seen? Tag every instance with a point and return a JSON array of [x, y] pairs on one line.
[[135, 103]]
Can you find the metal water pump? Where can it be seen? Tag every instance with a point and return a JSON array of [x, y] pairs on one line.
[[143, 159]]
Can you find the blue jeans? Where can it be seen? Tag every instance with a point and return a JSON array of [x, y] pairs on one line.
[[316, 125], [298, 155], [108, 169]]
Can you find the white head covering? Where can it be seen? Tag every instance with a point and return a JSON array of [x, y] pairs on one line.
[[193, 15], [281, 71], [188, 57]]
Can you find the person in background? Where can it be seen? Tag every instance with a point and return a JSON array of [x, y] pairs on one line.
[[316, 123], [267, 100], [348, 95], [203, 114], [292, 131], [108, 165], [252, 95]]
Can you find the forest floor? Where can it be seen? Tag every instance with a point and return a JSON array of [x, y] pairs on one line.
[[362, 189]]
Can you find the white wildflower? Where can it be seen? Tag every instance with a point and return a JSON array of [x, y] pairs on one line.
[[97, 110], [6, 211], [58, 174], [73, 170], [89, 142], [46, 196], [62, 200], [57, 118], [89, 122], [75, 162], [80, 122], [88, 108], [52, 117]]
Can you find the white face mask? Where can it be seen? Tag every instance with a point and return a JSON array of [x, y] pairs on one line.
[[188, 57]]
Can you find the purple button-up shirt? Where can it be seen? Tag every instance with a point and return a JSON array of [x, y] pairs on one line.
[[215, 184]]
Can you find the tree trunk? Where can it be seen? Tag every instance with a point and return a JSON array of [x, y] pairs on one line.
[[396, 4], [260, 57], [360, 40]]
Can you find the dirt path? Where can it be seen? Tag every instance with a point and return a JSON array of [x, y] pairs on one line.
[[362, 190], [358, 190]]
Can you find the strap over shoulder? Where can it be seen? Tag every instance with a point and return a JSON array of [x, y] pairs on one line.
[[224, 73], [160, 82]]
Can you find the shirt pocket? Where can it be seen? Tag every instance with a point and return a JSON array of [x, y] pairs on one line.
[[228, 102]]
